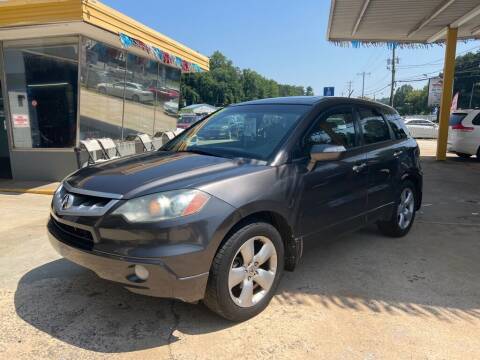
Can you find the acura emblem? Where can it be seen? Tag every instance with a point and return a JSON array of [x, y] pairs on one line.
[[67, 201]]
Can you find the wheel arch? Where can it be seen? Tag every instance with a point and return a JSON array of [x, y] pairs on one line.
[[416, 179], [293, 247]]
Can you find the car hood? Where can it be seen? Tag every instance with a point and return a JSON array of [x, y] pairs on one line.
[[154, 172]]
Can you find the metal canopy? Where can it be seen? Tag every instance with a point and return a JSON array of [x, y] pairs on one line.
[[416, 21]]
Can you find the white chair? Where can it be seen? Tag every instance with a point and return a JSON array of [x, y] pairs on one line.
[[170, 134], [93, 148], [147, 142], [108, 145]]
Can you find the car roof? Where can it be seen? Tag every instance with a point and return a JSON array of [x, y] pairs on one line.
[[313, 100]]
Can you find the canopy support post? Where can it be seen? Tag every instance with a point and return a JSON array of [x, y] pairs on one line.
[[446, 102]]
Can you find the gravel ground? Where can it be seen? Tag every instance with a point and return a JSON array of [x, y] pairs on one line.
[[361, 296]]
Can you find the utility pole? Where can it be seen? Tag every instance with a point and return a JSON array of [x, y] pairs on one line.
[[393, 61], [350, 90], [362, 74], [471, 94]]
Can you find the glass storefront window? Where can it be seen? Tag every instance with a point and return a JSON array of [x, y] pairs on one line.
[[42, 85], [141, 88], [102, 79], [168, 97]]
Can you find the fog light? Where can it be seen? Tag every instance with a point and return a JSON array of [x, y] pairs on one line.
[[141, 272]]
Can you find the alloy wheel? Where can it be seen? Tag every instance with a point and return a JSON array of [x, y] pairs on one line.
[[252, 271], [405, 208]]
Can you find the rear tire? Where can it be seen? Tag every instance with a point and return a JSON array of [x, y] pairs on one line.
[[404, 212], [464, 156], [243, 277], [478, 154]]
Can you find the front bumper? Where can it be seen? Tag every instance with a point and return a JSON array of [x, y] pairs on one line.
[[162, 282]]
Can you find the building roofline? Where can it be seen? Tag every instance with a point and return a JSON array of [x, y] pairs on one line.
[[40, 12]]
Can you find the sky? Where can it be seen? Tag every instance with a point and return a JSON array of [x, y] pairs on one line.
[[284, 40]]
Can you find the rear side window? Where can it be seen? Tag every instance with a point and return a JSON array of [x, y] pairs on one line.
[[476, 121], [373, 126], [456, 118], [397, 125]]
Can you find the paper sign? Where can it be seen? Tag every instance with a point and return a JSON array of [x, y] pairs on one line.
[[435, 86], [20, 121]]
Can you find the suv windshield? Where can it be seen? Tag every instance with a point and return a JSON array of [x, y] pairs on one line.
[[247, 131]]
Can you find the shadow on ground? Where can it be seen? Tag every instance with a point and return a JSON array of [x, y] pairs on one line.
[[359, 272], [431, 273]]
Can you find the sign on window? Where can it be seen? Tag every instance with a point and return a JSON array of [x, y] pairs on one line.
[[20, 121]]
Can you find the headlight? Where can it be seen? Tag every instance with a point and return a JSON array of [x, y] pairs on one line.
[[162, 206]]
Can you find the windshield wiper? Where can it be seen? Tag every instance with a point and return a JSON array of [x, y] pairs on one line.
[[200, 152]]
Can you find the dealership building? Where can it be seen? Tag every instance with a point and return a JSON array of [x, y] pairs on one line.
[[72, 70]]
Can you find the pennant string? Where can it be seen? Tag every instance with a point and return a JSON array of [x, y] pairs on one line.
[[160, 55]]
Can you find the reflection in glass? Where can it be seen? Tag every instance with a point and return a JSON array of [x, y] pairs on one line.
[[140, 96], [41, 81], [102, 90], [168, 95]]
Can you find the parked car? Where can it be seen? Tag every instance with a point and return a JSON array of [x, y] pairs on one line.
[[164, 93], [464, 133], [171, 107], [186, 120], [220, 220], [422, 128], [132, 91]]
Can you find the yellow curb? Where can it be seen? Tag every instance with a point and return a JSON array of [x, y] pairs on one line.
[[29, 191]]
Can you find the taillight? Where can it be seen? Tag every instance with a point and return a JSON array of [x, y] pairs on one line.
[[460, 127]]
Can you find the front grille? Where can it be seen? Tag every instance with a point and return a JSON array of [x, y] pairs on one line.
[[75, 204], [71, 235], [86, 201]]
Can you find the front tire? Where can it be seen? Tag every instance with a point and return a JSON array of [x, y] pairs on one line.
[[245, 272], [404, 214], [464, 156]]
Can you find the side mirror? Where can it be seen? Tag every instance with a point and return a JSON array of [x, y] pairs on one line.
[[325, 152]]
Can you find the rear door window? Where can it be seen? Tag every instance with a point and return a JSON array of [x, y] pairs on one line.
[[374, 127], [456, 118]]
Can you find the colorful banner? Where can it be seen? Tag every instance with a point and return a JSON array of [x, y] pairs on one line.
[[161, 55]]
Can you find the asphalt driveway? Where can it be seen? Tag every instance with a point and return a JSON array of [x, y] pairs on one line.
[[361, 296]]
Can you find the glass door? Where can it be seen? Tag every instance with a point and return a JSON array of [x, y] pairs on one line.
[[5, 170]]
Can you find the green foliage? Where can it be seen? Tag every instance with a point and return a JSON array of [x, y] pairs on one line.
[[467, 72], [226, 84], [409, 101]]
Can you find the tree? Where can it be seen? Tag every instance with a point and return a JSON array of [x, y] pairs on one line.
[[467, 76], [309, 91], [226, 84]]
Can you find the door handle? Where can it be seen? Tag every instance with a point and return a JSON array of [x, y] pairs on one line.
[[398, 153], [359, 168]]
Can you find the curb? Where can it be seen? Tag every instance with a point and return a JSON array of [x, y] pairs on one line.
[[29, 191]]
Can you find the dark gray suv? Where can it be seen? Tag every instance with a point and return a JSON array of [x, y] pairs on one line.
[[220, 218]]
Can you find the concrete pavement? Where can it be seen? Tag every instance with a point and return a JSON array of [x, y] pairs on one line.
[[361, 296]]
